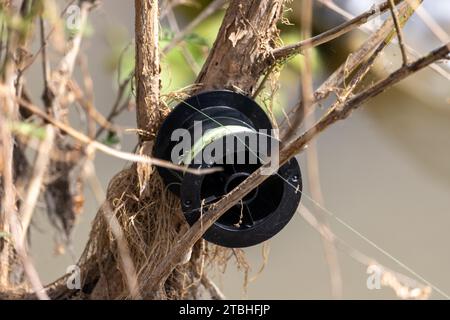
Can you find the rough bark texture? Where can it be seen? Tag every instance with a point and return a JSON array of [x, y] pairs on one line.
[[245, 42], [147, 67]]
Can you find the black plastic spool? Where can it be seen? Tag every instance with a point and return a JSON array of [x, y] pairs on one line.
[[265, 210]]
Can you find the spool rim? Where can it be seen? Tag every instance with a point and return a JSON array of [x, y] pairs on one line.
[[283, 196]]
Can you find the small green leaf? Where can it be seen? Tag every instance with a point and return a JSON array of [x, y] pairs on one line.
[[28, 129], [112, 139]]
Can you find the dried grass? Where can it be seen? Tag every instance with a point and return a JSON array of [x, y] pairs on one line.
[[151, 224]]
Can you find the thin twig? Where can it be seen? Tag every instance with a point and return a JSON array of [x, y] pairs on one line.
[[45, 61], [383, 35], [190, 60], [46, 38], [311, 152], [172, 4], [128, 266], [399, 30], [205, 14], [117, 108], [61, 76], [30, 270], [86, 99], [95, 145], [414, 4], [90, 109], [331, 34], [34, 187], [306, 73]]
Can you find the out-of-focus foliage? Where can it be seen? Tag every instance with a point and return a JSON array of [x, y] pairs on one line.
[[28, 129], [176, 71], [112, 139], [121, 56]]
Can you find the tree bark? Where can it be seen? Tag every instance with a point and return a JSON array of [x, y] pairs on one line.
[[148, 113], [241, 52]]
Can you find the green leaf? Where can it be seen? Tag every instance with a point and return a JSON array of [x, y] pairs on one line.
[[28, 129], [112, 139]]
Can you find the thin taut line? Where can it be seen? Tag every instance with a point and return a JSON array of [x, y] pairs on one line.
[[342, 222]]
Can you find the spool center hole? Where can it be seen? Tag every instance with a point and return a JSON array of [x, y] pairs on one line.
[[235, 180]]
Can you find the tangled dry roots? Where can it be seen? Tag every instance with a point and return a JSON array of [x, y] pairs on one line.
[[151, 225]]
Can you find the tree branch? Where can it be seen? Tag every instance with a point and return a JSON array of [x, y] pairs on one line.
[[213, 212], [95, 145], [331, 34], [383, 35], [245, 41], [399, 31], [147, 67]]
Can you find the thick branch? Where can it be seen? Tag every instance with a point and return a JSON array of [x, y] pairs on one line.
[[246, 39], [147, 66]]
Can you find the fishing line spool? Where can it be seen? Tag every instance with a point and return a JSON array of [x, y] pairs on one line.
[[229, 122]]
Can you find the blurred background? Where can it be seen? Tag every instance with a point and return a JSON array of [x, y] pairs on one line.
[[385, 171]]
